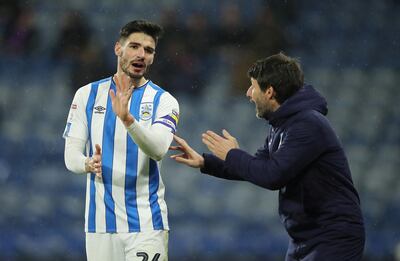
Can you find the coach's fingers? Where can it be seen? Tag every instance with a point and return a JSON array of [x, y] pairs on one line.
[[176, 148], [214, 135], [182, 155], [227, 135], [179, 140], [210, 145], [208, 140], [184, 146], [184, 160]]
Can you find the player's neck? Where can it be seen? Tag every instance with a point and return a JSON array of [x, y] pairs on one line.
[[138, 82]]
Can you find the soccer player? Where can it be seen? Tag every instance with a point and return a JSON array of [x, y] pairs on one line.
[[117, 132], [302, 158]]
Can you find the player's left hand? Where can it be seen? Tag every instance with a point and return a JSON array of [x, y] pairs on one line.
[[219, 145], [120, 98]]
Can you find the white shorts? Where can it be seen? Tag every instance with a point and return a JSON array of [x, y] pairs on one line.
[[141, 246]]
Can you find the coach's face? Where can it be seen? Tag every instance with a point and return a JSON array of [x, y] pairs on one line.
[[264, 100], [135, 54]]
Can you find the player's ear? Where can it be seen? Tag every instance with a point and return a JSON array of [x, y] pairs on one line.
[[118, 49]]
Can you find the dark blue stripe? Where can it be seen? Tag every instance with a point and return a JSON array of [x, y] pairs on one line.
[[107, 164], [165, 124], [169, 118], [153, 197], [131, 167], [92, 199]]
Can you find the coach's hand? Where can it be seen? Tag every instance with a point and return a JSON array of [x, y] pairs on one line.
[[189, 156], [120, 99], [218, 145], [93, 164]]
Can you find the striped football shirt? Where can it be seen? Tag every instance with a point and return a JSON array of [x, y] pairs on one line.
[[130, 195]]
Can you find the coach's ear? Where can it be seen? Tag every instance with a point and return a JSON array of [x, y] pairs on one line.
[[270, 92], [118, 49]]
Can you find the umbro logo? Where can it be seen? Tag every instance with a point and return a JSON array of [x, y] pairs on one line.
[[99, 109]]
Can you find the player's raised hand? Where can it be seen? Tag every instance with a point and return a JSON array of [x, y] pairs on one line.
[[218, 145], [120, 99], [189, 156], [93, 164]]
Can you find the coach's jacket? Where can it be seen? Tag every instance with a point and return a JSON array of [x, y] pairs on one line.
[[304, 160]]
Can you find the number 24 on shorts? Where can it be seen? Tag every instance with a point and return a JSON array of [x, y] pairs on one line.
[[146, 256]]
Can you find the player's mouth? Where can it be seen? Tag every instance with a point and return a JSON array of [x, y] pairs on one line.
[[138, 66]]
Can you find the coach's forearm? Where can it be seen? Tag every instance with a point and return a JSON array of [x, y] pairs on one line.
[[154, 141]]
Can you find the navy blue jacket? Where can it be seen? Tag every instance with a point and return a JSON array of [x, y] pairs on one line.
[[304, 160]]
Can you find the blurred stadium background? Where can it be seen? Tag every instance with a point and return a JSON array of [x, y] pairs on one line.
[[349, 50]]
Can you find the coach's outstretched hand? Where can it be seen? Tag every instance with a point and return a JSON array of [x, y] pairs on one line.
[[220, 145], [189, 156]]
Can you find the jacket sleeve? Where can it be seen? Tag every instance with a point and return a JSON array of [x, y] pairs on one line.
[[301, 144], [263, 152], [216, 167]]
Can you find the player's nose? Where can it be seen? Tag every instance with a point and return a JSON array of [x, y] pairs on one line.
[[140, 52]]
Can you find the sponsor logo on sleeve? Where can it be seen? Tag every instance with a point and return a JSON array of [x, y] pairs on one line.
[[67, 129]]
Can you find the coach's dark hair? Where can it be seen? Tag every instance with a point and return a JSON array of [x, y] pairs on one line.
[[141, 26], [281, 72]]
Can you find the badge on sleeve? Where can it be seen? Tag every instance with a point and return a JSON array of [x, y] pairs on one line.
[[170, 120]]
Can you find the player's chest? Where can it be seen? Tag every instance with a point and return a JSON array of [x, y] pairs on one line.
[[104, 120]]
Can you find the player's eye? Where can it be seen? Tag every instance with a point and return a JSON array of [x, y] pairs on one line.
[[149, 50]]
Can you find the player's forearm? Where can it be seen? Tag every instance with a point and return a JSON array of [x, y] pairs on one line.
[[73, 155], [154, 141]]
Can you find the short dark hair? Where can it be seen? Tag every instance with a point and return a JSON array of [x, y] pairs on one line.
[[281, 72], [141, 26]]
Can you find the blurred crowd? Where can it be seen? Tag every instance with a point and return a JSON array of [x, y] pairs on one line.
[[48, 49], [191, 47]]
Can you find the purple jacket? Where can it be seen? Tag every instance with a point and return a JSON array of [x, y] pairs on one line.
[[303, 159]]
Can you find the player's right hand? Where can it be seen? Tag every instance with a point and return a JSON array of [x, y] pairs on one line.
[[120, 98], [93, 164]]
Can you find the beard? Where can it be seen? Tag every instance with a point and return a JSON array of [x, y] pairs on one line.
[[125, 64], [263, 111]]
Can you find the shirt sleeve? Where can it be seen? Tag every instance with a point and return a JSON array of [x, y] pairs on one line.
[[156, 140], [167, 114], [76, 126], [74, 157]]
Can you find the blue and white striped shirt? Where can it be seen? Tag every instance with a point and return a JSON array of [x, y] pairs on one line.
[[130, 195]]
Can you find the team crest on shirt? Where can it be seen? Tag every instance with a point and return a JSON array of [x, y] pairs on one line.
[[146, 111]]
